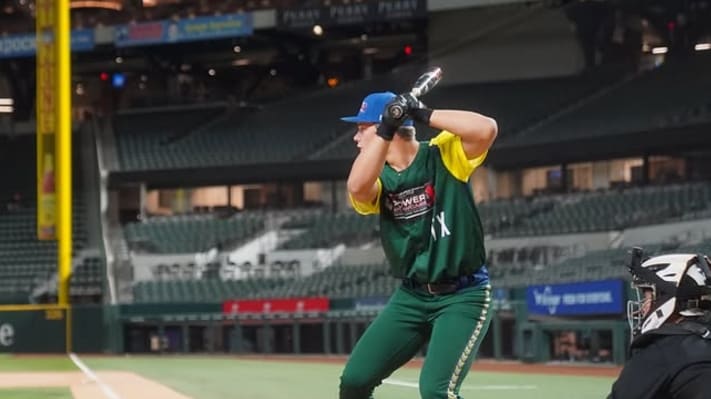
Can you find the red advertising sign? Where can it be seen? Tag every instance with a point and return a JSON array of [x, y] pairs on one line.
[[291, 305]]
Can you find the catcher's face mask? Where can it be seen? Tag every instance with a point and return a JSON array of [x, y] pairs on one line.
[[665, 285]]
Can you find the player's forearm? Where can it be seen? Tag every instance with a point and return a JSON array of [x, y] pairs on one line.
[[366, 169], [465, 124]]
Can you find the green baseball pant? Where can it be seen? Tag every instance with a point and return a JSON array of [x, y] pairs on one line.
[[454, 323]]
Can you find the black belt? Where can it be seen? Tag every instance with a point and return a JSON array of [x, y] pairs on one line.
[[440, 288]]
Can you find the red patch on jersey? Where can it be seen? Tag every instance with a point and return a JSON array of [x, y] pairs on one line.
[[430, 193]]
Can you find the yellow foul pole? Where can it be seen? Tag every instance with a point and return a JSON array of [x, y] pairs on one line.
[[63, 147]]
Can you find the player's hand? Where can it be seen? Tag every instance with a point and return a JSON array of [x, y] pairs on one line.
[[392, 118], [416, 108]]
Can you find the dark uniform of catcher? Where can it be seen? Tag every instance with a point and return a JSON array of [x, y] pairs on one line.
[[671, 329], [432, 238]]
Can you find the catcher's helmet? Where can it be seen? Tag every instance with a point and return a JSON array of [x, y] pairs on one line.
[[678, 283]]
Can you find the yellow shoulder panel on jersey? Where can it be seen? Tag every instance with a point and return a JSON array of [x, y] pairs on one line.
[[453, 156], [365, 208]]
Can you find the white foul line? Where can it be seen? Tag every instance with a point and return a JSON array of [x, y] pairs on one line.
[[110, 393], [408, 384]]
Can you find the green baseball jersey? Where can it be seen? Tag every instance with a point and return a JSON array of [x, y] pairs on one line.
[[429, 225]]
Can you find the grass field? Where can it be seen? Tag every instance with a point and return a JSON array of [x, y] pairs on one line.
[[228, 377], [50, 363], [36, 393]]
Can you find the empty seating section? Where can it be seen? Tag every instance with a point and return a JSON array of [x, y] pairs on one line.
[[191, 233], [296, 129], [27, 262], [675, 94], [595, 265], [156, 140], [514, 104], [326, 230], [278, 133], [611, 210], [201, 290], [498, 215], [87, 278], [337, 281], [373, 280], [24, 265]]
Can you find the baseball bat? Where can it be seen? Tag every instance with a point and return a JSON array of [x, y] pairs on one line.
[[426, 82], [422, 86]]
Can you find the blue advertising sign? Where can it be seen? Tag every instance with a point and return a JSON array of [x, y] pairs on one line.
[[376, 303], [204, 28], [25, 45], [82, 40], [597, 297], [184, 30]]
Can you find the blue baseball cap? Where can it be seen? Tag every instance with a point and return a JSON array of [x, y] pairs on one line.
[[372, 108]]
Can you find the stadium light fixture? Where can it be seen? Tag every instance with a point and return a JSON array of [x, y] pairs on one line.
[[660, 50], [702, 46], [114, 5], [241, 62]]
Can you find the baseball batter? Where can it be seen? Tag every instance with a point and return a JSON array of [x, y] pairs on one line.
[[432, 237]]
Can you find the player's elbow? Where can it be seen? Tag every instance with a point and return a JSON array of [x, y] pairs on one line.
[[357, 188], [361, 190], [490, 129]]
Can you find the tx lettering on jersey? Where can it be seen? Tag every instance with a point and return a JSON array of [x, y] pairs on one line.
[[410, 203], [443, 229]]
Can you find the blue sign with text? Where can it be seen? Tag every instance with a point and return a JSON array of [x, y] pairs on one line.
[[184, 30], [376, 303], [589, 298], [25, 45]]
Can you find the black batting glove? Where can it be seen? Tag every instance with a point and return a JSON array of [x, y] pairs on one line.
[[392, 118], [416, 108]]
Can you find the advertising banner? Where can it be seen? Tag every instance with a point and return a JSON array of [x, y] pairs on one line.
[[33, 331], [376, 303], [205, 28], [291, 305], [589, 298], [140, 34], [46, 70], [351, 14], [184, 30], [25, 45]]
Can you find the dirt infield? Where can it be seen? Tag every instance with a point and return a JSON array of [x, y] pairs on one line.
[[124, 385], [579, 369]]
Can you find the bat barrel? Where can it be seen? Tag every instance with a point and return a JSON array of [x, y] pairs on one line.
[[426, 82]]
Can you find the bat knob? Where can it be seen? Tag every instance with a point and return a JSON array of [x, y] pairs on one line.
[[396, 111]]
